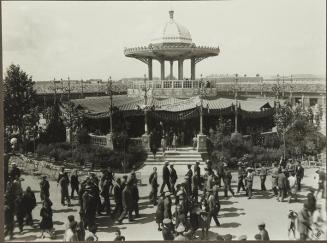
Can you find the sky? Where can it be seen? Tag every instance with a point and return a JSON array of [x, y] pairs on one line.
[[86, 40]]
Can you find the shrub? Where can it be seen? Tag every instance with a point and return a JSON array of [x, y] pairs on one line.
[[83, 136]]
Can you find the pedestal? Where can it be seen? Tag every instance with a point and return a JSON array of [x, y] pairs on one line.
[[146, 141], [110, 143], [202, 143], [68, 135]]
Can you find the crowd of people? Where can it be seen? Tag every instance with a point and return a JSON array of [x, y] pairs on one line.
[[181, 208]]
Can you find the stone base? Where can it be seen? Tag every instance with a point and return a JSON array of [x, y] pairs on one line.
[[202, 143], [146, 141], [68, 135], [110, 143]]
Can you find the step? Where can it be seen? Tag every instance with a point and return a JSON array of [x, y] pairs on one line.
[[174, 159], [174, 163]]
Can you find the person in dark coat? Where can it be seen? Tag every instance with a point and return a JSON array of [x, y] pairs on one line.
[[299, 171], [263, 232], [167, 230], [44, 188], [64, 183], [311, 202], [9, 219], [173, 178], [118, 197], [46, 223], [240, 172], [282, 185], [167, 206], [189, 176], [160, 211], [154, 189], [165, 177], [30, 203], [195, 186], [212, 208], [127, 204], [154, 143], [227, 181], [74, 183], [263, 176], [15, 171], [197, 169], [61, 174], [20, 211], [135, 199], [124, 182], [105, 187]]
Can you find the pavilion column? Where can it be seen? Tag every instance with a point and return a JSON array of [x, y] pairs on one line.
[[171, 69], [162, 69], [180, 69], [193, 68], [150, 68]]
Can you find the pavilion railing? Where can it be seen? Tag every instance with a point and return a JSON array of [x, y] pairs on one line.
[[136, 141], [100, 140]]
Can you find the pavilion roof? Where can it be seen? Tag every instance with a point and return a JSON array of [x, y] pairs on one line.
[[98, 107]]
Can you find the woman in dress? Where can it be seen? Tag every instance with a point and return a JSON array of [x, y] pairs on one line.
[[46, 214]]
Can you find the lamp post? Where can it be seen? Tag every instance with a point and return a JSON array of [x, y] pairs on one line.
[[110, 134], [235, 99], [201, 138], [291, 91]]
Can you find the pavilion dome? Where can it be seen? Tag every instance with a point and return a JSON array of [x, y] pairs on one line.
[[172, 33]]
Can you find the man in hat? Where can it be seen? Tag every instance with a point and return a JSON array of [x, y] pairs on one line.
[[282, 185], [274, 179], [249, 181], [167, 230], [179, 233], [263, 232], [241, 177], [263, 176], [167, 206], [154, 188], [44, 188], [173, 178], [165, 177], [135, 199], [74, 183], [227, 181], [189, 175], [299, 171], [105, 187]]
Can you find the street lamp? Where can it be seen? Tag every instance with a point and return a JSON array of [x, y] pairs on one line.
[[235, 99], [110, 106], [201, 139]]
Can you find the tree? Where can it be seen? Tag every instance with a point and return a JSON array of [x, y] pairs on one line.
[[19, 96]]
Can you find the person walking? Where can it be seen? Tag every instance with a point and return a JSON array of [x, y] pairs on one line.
[[20, 211], [165, 177], [227, 181], [74, 183], [118, 197], [9, 219], [303, 222], [135, 199], [212, 207], [220, 172], [292, 187], [173, 178], [29, 203], [46, 224], [282, 185], [64, 182], [240, 175], [195, 187], [127, 204], [188, 177], [263, 176], [274, 179], [105, 187], [163, 145], [160, 211], [249, 182], [299, 170]]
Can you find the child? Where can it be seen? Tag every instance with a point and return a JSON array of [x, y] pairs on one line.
[[292, 216], [119, 237]]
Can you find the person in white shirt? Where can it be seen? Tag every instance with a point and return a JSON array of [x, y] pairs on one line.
[[292, 187]]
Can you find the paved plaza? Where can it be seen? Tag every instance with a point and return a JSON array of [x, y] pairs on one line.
[[238, 214]]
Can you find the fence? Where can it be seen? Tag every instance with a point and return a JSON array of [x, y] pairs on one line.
[[98, 140]]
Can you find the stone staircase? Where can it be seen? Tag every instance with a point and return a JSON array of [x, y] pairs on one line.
[[180, 156]]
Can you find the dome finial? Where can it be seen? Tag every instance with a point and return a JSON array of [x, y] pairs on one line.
[[171, 14]]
